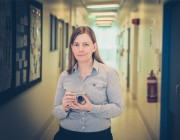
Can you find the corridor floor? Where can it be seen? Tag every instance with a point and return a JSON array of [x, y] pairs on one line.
[[129, 126]]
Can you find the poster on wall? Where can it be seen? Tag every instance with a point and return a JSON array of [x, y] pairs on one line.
[[35, 42], [5, 45], [20, 47]]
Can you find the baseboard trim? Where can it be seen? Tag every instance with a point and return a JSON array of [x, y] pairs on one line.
[[147, 125], [39, 134]]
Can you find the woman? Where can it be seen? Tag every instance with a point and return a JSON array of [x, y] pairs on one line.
[[88, 93]]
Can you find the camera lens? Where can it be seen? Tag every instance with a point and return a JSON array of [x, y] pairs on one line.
[[80, 99]]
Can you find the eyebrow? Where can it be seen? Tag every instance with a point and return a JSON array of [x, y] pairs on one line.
[[82, 42]]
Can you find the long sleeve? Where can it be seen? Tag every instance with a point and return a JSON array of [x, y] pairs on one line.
[[115, 104], [58, 109]]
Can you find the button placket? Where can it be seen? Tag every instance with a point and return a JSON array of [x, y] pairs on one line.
[[83, 121]]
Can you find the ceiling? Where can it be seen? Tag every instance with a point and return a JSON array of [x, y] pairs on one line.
[[122, 5], [125, 6]]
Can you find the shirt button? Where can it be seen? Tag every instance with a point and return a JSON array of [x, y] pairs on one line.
[[83, 127], [83, 118]]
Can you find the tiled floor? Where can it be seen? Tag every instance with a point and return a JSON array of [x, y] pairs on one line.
[[129, 126]]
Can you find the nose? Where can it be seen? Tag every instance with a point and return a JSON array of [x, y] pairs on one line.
[[81, 48]]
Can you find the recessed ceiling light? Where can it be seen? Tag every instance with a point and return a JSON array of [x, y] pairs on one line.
[[103, 13], [103, 22], [103, 6], [105, 18], [103, 25]]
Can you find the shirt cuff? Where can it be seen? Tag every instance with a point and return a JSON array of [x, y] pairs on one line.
[[62, 112]]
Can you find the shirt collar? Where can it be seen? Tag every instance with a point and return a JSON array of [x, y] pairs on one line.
[[95, 66]]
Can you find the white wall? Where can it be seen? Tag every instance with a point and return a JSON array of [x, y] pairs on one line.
[[149, 59], [144, 57], [26, 116]]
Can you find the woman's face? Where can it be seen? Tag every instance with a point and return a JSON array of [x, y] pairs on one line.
[[83, 48]]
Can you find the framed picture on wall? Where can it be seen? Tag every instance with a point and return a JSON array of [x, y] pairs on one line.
[[22, 44], [53, 32], [67, 35], [6, 46], [35, 54], [20, 47]]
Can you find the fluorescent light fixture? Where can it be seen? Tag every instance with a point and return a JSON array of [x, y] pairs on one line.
[[103, 21], [104, 18], [104, 13], [103, 24], [103, 6]]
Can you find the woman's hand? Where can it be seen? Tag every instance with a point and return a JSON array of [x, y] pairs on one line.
[[86, 107], [68, 100]]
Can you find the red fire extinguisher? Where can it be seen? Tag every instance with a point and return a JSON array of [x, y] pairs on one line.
[[152, 88]]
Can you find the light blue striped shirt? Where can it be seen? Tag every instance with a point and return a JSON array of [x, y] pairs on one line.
[[103, 89]]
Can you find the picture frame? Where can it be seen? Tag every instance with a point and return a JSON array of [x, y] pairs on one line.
[[60, 42], [35, 62], [26, 52], [67, 34], [6, 47], [22, 45], [53, 32]]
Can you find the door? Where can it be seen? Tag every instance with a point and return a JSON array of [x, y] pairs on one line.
[[170, 101], [128, 61], [174, 76]]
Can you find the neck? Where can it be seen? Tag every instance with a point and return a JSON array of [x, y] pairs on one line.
[[85, 66]]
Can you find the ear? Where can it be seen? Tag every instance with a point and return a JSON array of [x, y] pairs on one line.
[[95, 47]]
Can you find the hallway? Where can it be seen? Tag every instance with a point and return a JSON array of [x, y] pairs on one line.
[[134, 37]]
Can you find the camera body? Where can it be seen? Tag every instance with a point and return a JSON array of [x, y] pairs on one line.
[[80, 99]]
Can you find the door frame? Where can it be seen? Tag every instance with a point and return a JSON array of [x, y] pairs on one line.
[[128, 60]]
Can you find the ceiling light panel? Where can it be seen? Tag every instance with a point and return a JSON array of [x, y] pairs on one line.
[[103, 24], [103, 6], [103, 13], [102, 21], [105, 18]]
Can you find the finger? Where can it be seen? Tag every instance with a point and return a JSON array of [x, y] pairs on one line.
[[86, 98], [73, 106], [69, 94], [69, 99]]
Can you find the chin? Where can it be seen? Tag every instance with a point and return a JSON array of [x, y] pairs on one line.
[[82, 60]]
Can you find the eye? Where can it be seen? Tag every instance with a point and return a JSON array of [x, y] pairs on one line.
[[76, 45], [86, 45]]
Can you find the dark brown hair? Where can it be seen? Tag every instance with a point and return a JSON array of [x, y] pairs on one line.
[[81, 30]]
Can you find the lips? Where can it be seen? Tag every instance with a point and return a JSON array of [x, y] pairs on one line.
[[81, 55]]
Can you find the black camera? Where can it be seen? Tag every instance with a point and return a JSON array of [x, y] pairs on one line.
[[80, 99]]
